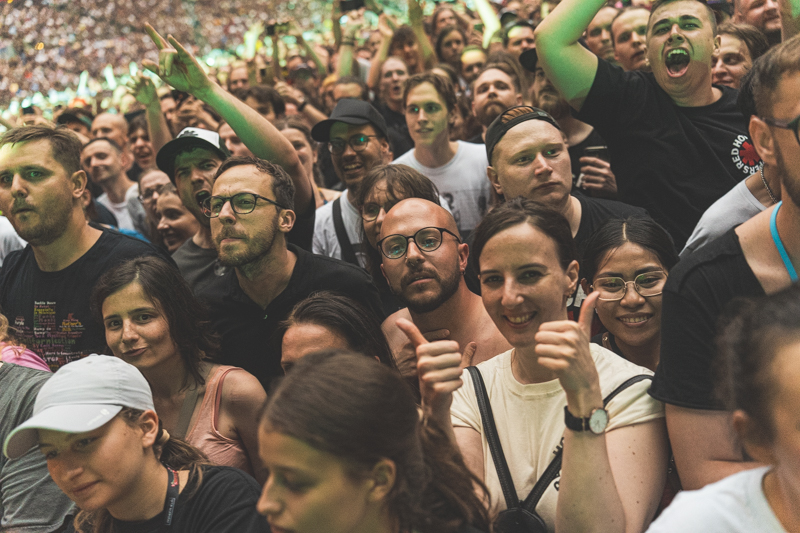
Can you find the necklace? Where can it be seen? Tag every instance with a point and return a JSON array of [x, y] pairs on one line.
[[764, 181]]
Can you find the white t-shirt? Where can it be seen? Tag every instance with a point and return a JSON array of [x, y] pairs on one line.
[[9, 240], [325, 241], [124, 219], [737, 206], [462, 182], [735, 504], [530, 419]]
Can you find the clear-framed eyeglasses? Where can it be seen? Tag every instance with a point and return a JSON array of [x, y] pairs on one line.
[[612, 289]]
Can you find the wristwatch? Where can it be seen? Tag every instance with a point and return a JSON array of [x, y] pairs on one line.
[[596, 422]]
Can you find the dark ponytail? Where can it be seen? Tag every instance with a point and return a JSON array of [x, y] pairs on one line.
[[172, 452], [360, 411]]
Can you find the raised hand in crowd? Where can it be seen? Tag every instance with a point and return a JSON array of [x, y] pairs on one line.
[[439, 365], [179, 68]]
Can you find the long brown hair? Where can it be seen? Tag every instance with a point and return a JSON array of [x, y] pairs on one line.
[[163, 285], [360, 411], [173, 453]]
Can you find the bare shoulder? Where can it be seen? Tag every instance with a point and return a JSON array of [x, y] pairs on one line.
[[394, 335], [241, 389]]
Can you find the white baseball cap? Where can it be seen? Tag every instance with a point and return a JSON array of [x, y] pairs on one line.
[[82, 396]]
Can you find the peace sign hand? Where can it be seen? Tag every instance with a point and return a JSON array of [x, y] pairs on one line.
[[563, 347], [176, 66], [438, 368]]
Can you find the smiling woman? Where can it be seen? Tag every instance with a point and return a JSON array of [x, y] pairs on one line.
[[153, 322], [628, 262], [614, 457], [96, 425]]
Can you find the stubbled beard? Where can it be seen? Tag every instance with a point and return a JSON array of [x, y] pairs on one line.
[[490, 112], [556, 106], [447, 288], [260, 246], [791, 186]]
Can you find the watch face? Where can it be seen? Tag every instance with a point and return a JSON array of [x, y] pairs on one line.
[[598, 421]]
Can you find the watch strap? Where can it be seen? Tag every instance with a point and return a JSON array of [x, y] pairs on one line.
[[582, 424], [575, 423]]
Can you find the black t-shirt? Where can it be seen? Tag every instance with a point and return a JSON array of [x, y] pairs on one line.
[[697, 291], [596, 211], [399, 137], [250, 334], [50, 310], [673, 161], [577, 151], [224, 502], [302, 233]]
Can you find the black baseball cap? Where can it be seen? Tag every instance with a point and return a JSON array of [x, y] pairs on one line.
[[350, 111], [513, 116], [187, 140]]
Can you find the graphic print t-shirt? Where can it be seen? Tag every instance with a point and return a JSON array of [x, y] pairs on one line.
[[49, 311], [673, 161]]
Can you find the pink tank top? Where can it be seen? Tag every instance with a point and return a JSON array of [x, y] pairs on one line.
[[204, 434]]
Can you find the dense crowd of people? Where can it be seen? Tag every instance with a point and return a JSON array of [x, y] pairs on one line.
[[509, 267]]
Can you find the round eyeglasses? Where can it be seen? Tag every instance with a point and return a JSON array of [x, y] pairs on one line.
[[357, 142], [647, 284], [427, 240], [242, 204]]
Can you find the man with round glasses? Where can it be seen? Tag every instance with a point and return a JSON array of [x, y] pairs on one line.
[[250, 211], [424, 260], [357, 138]]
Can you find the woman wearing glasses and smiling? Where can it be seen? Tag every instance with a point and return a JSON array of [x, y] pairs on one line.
[[627, 262]]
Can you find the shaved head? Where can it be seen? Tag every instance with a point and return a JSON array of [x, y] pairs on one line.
[[413, 214], [115, 127], [423, 280]]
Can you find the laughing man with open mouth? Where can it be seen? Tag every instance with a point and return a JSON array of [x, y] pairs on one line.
[[676, 141]]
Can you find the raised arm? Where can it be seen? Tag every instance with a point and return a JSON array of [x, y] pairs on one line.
[[373, 81], [570, 66], [416, 23], [181, 70], [491, 22], [348, 46], [790, 18], [609, 482], [144, 90]]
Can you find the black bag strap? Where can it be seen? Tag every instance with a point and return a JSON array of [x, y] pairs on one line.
[[501, 465], [348, 254], [490, 430]]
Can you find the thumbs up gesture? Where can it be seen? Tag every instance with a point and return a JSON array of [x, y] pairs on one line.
[[438, 369], [563, 347]]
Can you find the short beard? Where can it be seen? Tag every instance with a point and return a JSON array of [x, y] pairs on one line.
[[259, 246], [490, 112], [447, 288], [558, 108], [52, 225]]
